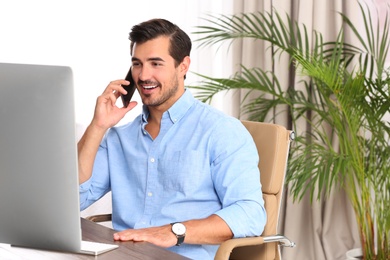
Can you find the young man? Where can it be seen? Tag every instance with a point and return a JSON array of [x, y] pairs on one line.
[[180, 161]]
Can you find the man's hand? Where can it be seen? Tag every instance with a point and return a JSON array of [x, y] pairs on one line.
[[161, 236], [107, 113]]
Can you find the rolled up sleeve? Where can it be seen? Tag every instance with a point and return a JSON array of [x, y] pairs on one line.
[[237, 181]]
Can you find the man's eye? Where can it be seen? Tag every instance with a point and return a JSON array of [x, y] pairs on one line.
[[157, 64]]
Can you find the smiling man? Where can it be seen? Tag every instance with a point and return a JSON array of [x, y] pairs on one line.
[[183, 175]]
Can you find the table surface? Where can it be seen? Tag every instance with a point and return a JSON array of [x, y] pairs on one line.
[[97, 233]]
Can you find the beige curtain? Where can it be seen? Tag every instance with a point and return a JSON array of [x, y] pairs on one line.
[[323, 229]]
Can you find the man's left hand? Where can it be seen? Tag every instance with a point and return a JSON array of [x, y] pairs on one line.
[[161, 236]]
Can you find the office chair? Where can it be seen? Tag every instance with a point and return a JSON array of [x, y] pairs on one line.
[[273, 144]]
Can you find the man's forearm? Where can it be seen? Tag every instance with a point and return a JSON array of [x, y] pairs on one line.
[[87, 149], [211, 230]]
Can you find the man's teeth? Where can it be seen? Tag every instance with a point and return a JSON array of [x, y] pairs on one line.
[[149, 87]]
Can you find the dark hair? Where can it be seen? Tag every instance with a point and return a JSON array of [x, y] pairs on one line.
[[180, 43]]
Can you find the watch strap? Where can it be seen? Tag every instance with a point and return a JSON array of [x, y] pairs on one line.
[[180, 240]]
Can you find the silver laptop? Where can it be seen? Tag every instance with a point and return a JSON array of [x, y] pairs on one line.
[[39, 198]]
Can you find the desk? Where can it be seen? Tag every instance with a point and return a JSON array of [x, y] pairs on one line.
[[97, 233]]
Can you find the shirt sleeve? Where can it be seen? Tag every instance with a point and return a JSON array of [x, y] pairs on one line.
[[98, 185], [236, 178]]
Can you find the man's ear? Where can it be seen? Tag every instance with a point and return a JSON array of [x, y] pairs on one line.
[[184, 65]]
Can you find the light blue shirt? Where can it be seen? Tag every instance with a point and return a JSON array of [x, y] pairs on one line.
[[202, 162]]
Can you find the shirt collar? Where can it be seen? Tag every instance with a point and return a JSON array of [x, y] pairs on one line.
[[177, 110]]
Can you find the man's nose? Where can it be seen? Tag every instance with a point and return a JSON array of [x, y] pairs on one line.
[[144, 74]]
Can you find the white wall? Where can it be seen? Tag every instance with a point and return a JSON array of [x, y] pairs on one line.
[[91, 37]]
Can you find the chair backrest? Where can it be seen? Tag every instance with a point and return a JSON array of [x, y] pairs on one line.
[[273, 144]]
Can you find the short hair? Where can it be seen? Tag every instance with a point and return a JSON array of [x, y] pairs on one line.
[[180, 42]]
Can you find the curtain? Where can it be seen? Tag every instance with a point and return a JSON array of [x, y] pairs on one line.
[[327, 228]]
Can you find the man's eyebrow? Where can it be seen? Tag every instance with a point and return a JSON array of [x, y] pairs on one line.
[[149, 59], [156, 59]]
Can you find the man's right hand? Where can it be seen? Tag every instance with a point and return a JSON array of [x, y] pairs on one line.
[[107, 113]]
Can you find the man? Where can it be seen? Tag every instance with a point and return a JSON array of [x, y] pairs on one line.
[[180, 161]]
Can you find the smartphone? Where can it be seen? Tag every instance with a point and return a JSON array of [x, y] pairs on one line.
[[129, 88]]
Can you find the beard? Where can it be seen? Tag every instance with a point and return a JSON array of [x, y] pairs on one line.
[[163, 97]]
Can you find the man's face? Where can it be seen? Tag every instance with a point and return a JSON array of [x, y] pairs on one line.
[[159, 83]]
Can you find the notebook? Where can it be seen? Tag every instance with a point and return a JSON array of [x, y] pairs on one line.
[[39, 198]]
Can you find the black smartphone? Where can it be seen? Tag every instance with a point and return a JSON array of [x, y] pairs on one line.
[[129, 88]]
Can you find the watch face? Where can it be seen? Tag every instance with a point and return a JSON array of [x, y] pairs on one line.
[[179, 229]]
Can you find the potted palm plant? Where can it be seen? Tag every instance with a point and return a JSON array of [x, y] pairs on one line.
[[346, 89]]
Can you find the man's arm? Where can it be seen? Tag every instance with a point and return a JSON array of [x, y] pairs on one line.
[[211, 230], [87, 149], [107, 114]]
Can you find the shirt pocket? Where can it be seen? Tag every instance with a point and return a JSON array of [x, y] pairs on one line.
[[182, 171]]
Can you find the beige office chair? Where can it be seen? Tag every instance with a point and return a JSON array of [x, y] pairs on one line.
[[273, 144]]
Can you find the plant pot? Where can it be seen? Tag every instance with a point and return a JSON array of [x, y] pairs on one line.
[[354, 254]]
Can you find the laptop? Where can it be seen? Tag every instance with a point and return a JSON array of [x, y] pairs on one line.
[[39, 197]]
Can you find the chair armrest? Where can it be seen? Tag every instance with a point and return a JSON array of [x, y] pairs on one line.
[[100, 218], [283, 241], [227, 247]]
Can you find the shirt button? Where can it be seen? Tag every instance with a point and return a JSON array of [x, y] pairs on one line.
[[150, 194], [144, 132], [152, 159]]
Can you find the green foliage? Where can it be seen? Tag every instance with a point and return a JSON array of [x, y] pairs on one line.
[[350, 102]]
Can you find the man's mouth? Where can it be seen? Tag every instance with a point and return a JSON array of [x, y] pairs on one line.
[[148, 87]]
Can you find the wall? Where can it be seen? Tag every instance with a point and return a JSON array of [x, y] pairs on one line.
[[92, 38]]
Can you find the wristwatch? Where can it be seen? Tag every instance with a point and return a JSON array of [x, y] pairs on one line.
[[180, 232]]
